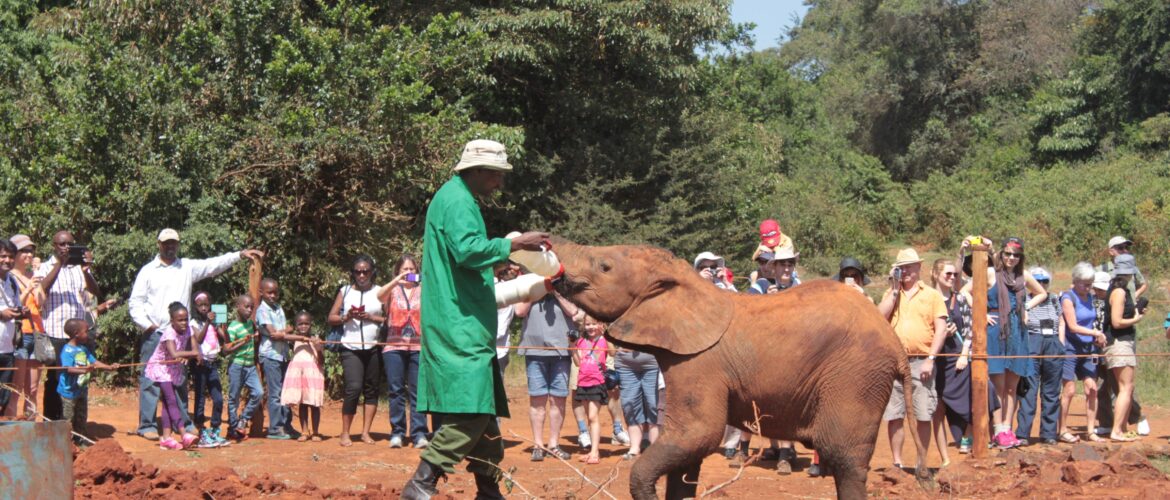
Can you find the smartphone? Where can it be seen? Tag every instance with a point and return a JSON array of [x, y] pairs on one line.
[[898, 274], [76, 255], [1142, 304], [412, 277], [221, 313], [850, 281]]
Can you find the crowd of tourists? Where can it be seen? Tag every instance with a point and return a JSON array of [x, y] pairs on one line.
[[48, 331]]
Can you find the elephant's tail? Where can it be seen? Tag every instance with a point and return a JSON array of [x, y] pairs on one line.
[[907, 375]]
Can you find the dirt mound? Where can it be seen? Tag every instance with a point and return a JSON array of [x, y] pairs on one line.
[[105, 470]]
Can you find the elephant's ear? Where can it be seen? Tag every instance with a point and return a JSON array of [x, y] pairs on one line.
[[679, 317]]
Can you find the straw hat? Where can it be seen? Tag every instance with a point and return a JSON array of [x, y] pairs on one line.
[[484, 154], [784, 253], [907, 256], [709, 256]]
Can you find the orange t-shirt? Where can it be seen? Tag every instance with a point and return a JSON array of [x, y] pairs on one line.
[[34, 323], [914, 316]]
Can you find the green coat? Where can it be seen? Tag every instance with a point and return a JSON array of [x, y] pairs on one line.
[[458, 371]]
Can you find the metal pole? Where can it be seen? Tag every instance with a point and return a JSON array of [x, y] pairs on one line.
[[979, 418]]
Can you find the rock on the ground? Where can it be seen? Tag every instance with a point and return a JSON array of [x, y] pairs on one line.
[[1083, 452], [1084, 472]]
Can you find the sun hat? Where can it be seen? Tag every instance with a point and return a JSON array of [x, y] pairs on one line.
[[784, 253], [1118, 240], [770, 233], [765, 256], [906, 256], [1041, 274], [1101, 280], [168, 234], [1124, 265], [21, 242], [485, 154], [851, 263], [709, 256]]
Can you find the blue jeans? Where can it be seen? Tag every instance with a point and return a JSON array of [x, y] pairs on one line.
[[639, 395], [148, 391], [1046, 383], [548, 375], [205, 377], [279, 416], [402, 377], [238, 377]]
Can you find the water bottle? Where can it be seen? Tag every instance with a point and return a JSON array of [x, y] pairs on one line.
[[544, 262], [525, 288]]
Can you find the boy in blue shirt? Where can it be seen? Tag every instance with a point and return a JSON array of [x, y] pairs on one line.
[[78, 362], [275, 334]]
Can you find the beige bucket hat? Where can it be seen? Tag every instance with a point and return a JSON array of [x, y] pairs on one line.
[[907, 256], [484, 153]]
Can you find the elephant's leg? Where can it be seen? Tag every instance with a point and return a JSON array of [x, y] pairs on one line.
[[849, 476], [683, 483], [693, 429]]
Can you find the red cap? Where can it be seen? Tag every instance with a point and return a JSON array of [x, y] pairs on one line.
[[770, 233]]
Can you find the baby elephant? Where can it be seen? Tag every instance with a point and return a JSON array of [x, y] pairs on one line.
[[818, 360]]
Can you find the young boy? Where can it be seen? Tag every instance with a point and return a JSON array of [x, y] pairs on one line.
[[275, 333], [242, 369], [78, 362]]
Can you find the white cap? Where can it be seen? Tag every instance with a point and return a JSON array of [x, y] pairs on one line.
[[484, 154], [168, 234], [1101, 280], [1118, 240], [709, 256]]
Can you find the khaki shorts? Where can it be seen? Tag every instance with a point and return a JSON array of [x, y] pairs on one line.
[[1120, 354], [573, 377], [923, 395]]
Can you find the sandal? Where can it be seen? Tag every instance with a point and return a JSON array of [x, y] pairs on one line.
[[1095, 438], [302, 438], [590, 460], [316, 438], [629, 455], [1124, 438], [1068, 437], [346, 442], [367, 439]]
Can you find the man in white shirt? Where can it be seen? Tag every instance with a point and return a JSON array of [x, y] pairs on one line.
[[166, 279], [63, 284]]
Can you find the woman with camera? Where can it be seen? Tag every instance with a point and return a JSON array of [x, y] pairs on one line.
[[403, 297], [1046, 328], [28, 373], [1121, 314], [359, 312]]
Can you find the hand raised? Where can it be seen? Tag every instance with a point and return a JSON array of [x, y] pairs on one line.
[[252, 254]]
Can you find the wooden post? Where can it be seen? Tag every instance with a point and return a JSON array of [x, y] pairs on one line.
[[255, 274], [981, 435]]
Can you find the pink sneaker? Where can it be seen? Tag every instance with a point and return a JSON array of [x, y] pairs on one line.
[[1005, 440], [169, 444], [189, 439]]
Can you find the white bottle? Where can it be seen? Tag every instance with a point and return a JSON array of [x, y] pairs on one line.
[[544, 262], [525, 288]]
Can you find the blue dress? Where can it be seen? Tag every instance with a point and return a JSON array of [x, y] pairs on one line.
[[1013, 342]]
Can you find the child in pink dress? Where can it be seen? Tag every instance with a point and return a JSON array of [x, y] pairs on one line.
[[304, 383], [590, 359], [167, 369]]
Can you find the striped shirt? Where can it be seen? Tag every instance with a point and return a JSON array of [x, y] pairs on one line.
[[1049, 310], [64, 301], [246, 354]]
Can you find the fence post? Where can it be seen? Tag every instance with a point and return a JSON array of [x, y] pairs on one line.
[[981, 435]]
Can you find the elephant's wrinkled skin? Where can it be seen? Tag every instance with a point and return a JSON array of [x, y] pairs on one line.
[[818, 360]]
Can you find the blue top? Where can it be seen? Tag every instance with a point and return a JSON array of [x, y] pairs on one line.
[[272, 317], [1086, 315], [72, 385]]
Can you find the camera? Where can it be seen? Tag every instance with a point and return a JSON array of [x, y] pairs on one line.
[[76, 255], [574, 336], [1142, 304], [1047, 327], [412, 277], [897, 275]]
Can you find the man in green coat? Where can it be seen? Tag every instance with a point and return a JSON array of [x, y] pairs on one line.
[[458, 377]]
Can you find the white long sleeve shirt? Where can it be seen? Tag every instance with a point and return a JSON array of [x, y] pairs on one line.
[[158, 285]]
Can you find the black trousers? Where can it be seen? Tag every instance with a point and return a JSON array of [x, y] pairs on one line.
[[362, 371], [51, 407]]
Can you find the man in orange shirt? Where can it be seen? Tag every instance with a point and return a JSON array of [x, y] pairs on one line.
[[918, 314]]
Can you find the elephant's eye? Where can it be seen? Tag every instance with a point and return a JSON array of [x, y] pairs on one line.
[[605, 267]]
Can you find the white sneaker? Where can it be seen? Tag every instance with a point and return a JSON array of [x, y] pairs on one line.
[[421, 443], [396, 442], [583, 440], [621, 438], [1102, 431], [1143, 427]]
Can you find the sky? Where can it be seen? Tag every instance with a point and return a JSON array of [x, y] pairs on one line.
[[770, 16]]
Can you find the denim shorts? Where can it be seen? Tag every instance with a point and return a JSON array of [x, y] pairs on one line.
[[548, 375], [25, 349]]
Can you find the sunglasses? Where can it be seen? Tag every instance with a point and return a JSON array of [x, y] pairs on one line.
[[949, 275], [1012, 254], [362, 271]]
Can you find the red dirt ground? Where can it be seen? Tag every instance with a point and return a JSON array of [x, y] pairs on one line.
[[288, 469]]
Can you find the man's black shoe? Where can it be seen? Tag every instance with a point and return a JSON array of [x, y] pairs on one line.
[[421, 486]]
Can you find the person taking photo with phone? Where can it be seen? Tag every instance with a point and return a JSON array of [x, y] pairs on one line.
[[359, 312], [403, 299], [63, 279]]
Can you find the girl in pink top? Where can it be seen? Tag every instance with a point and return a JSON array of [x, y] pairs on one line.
[[590, 360], [166, 370]]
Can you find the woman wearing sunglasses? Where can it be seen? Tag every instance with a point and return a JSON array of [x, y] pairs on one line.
[[358, 310]]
